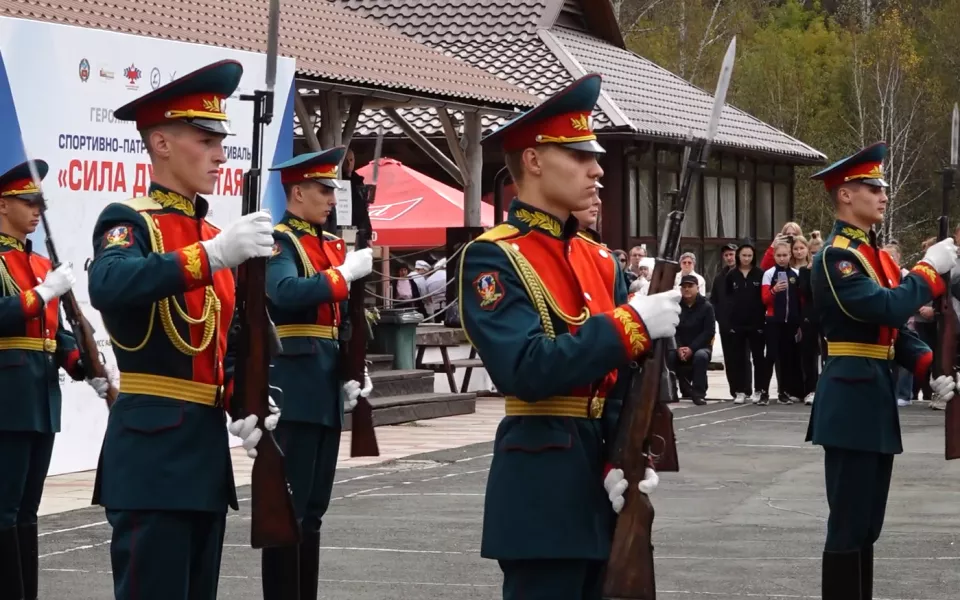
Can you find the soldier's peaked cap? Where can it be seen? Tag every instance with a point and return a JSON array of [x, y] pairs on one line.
[[18, 182], [866, 166], [563, 118], [198, 98], [315, 166]]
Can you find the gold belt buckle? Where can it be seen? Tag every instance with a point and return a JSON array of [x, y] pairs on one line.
[[49, 345], [890, 353], [595, 408]]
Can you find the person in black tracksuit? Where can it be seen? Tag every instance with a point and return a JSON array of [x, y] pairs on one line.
[[745, 322], [718, 298], [810, 338], [781, 296]]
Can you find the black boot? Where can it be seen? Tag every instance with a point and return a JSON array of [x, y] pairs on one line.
[[866, 573], [280, 572], [841, 575], [29, 560], [11, 585], [309, 565]]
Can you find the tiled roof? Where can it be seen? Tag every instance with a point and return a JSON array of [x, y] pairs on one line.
[[329, 42], [657, 102], [504, 37]]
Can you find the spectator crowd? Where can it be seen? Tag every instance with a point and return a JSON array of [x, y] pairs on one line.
[[759, 308]]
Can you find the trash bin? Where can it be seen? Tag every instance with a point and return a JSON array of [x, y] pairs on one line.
[[396, 334]]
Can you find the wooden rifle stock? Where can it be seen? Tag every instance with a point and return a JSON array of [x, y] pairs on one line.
[[79, 325], [353, 348], [273, 519], [630, 568], [945, 352]]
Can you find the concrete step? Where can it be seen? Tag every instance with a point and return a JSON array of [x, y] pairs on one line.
[[392, 410], [380, 362], [401, 382]]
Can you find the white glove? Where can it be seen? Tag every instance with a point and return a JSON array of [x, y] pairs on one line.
[[352, 391], [249, 237], [357, 264], [57, 283], [660, 312], [102, 384], [247, 430], [615, 485], [944, 387], [942, 256]]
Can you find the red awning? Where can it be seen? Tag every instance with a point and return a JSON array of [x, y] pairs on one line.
[[412, 209]]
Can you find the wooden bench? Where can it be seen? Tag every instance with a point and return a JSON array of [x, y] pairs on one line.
[[449, 367]]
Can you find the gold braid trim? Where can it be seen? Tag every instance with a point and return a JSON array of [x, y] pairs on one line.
[[538, 292], [210, 317], [308, 270], [10, 286]]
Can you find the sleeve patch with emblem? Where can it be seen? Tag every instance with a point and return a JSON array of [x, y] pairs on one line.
[[845, 267], [276, 248], [488, 288], [120, 236]]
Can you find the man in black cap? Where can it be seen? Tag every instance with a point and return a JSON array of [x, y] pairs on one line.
[[718, 298], [694, 341]]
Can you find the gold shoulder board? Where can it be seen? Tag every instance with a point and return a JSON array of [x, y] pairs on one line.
[[499, 232]]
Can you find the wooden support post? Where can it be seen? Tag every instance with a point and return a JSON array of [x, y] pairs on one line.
[[424, 144], [306, 118], [331, 113], [450, 132], [474, 158], [356, 108]]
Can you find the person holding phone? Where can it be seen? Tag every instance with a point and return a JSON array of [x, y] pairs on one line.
[[781, 297]]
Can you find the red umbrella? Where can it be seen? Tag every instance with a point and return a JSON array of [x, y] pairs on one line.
[[412, 209]]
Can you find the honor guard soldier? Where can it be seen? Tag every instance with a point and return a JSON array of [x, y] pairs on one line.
[[308, 280], [33, 347], [546, 310], [588, 218], [161, 278], [863, 304]]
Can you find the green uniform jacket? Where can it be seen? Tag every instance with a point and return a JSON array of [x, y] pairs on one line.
[[545, 309], [862, 306], [160, 451], [33, 343], [305, 297]]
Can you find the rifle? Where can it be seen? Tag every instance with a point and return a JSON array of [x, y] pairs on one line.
[[79, 325], [630, 569], [273, 520], [945, 351], [353, 339]]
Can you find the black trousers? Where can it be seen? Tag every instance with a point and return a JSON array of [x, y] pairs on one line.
[[692, 373], [782, 356], [26, 459], [809, 358], [727, 345], [857, 487], [746, 344], [552, 579], [166, 555]]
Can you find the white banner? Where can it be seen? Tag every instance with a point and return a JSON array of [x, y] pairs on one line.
[[59, 86]]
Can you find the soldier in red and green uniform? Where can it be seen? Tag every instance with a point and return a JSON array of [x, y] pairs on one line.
[[161, 278], [547, 311], [33, 347], [308, 279], [862, 305]]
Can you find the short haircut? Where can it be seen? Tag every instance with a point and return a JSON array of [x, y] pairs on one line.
[[514, 162]]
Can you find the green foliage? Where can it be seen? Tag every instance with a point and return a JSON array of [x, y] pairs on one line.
[[836, 74]]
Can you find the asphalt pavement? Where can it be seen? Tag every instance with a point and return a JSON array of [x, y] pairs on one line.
[[745, 518]]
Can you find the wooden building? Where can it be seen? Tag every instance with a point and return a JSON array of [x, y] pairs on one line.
[[642, 118]]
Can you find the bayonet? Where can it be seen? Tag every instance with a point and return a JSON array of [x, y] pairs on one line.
[[954, 135]]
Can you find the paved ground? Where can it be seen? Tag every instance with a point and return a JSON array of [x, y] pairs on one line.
[[744, 519]]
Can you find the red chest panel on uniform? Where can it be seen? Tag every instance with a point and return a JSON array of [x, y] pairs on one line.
[[323, 255], [180, 231], [27, 270], [889, 275], [577, 273]]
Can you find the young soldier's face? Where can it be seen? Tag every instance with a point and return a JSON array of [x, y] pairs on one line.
[[568, 178], [19, 215], [588, 217], [194, 155], [868, 202], [315, 200]]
